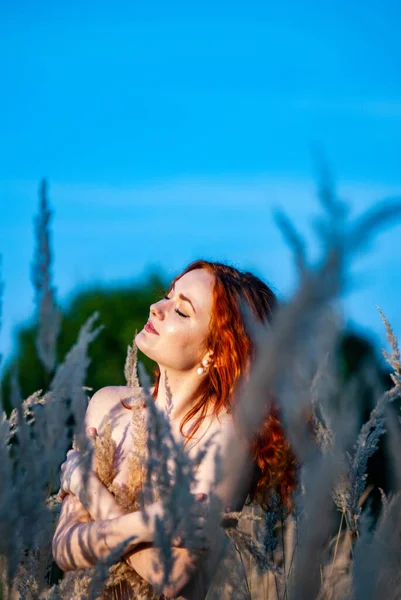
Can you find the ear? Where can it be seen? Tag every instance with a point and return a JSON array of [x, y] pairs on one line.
[[209, 356]]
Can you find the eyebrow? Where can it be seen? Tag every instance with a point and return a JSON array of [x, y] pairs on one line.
[[185, 298]]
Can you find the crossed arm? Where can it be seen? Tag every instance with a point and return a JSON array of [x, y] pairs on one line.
[[79, 542], [86, 533]]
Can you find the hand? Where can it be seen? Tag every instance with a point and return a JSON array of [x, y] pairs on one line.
[[71, 477], [71, 470]]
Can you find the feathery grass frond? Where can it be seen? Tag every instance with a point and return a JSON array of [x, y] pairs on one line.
[[371, 221], [105, 451], [393, 358], [101, 571], [130, 368], [48, 313], [293, 238], [348, 493]]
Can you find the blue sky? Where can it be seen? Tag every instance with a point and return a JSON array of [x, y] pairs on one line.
[[170, 131]]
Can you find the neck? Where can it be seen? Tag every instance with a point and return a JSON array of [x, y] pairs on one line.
[[178, 392]]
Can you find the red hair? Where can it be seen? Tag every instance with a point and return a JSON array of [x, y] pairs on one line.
[[233, 352]]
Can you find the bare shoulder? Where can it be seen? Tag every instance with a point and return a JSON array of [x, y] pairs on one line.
[[105, 402], [109, 395]]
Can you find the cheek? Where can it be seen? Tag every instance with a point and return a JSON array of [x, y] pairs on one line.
[[181, 337], [185, 342]]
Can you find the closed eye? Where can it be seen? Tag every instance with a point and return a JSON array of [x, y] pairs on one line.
[[177, 311]]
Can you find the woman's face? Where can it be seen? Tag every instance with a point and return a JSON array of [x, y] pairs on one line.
[[175, 335]]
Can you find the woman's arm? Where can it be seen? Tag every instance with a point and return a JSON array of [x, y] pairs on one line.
[[94, 496], [70, 533], [143, 556], [76, 547], [78, 542], [145, 560], [100, 504]]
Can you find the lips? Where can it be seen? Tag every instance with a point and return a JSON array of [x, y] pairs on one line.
[[150, 329]]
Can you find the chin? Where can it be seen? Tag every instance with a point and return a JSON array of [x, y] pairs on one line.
[[140, 342], [139, 338]]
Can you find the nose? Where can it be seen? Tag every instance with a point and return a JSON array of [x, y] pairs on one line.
[[156, 310]]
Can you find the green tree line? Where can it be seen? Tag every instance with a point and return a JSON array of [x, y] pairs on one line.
[[122, 311]]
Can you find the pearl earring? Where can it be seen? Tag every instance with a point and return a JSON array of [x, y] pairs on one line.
[[202, 370]]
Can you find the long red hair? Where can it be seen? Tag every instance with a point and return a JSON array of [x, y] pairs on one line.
[[233, 352]]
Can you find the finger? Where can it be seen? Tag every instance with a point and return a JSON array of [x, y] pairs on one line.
[[91, 432]]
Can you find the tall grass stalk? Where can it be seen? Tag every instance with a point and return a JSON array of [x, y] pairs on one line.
[[48, 313]]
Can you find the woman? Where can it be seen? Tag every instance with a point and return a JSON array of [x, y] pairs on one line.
[[197, 336]]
